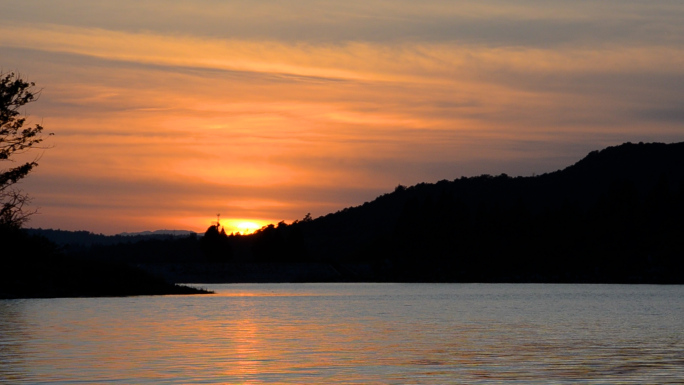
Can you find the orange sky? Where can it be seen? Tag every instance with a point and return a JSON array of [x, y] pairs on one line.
[[168, 112]]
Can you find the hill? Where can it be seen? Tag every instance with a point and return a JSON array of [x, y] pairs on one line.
[[614, 216]]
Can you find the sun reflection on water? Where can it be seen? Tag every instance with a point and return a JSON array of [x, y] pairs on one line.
[[351, 334]]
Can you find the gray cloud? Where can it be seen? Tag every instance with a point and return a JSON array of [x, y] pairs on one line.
[[522, 23], [662, 114]]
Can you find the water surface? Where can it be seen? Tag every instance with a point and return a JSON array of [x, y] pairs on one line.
[[352, 334]]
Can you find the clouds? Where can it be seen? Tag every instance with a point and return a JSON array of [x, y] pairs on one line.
[[492, 23], [269, 110]]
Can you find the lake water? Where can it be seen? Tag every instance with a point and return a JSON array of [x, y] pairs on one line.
[[352, 334]]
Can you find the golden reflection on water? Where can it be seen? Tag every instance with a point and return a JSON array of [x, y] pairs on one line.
[[360, 333]]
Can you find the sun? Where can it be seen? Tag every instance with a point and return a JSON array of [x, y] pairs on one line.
[[241, 225], [246, 227]]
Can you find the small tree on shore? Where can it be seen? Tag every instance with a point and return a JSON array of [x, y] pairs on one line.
[[15, 139]]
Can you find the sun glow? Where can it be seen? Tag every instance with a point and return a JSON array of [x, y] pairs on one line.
[[247, 227], [242, 226]]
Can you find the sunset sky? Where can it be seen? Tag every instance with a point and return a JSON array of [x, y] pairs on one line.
[[168, 112]]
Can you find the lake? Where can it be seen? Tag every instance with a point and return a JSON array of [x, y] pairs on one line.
[[352, 334]]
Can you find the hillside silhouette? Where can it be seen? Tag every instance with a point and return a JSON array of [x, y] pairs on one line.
[[614, 216]]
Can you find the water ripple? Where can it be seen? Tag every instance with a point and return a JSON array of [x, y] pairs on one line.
[[352, 334]]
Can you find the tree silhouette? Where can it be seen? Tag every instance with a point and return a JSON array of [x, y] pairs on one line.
[[15, 139], [216, 245]]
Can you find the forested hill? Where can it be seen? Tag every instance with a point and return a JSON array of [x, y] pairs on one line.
[[614, 216], [616, 209]]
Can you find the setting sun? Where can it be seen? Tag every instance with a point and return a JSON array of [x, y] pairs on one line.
[[242, 226], [247, 227]]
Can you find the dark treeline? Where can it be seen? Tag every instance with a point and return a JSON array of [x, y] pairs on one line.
[[32, 266], [85, 239], [272, 244], [614, 216]]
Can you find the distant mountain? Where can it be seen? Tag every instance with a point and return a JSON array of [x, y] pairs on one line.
[[87, 239], [176, 233]]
